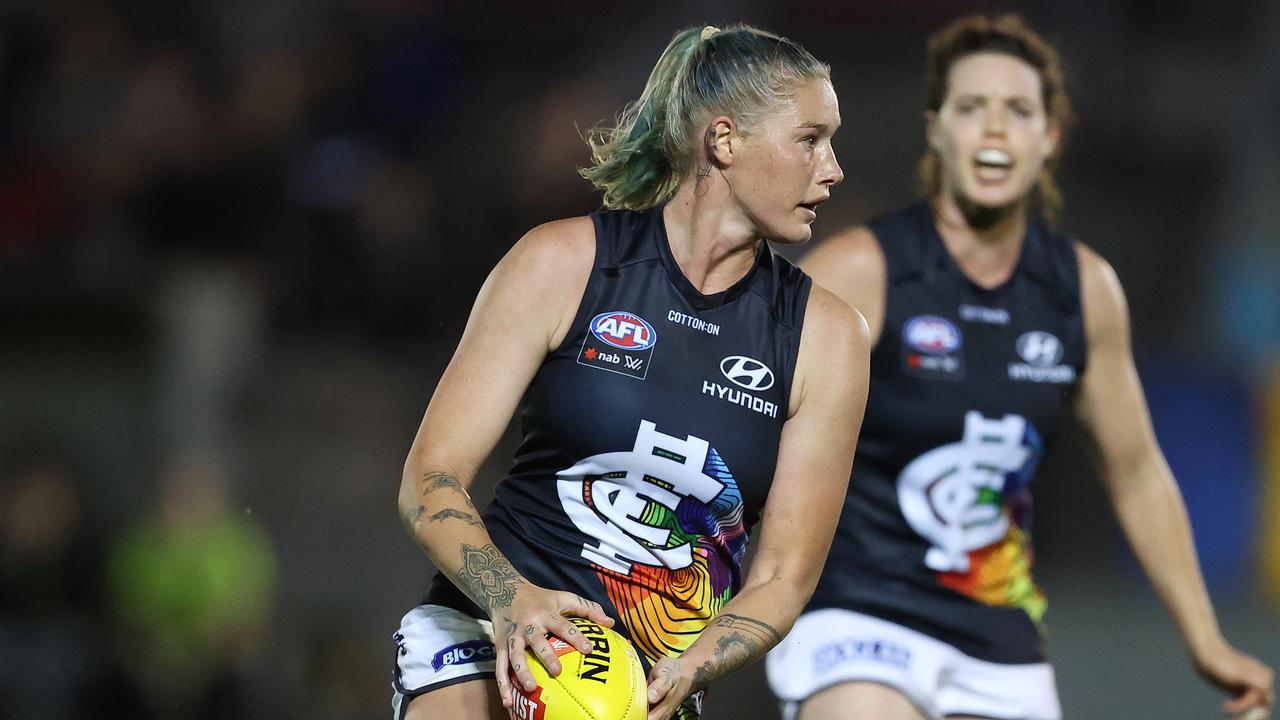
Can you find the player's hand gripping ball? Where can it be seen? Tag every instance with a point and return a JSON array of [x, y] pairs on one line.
[[608, 684]]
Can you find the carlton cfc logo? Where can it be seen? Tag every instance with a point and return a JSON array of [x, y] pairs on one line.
[[931, 334], [623, 330]]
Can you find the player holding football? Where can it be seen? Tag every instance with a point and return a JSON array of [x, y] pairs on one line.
[[676, 381]]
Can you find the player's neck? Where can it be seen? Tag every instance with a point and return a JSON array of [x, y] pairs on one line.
[[985, 243], [711, 240]]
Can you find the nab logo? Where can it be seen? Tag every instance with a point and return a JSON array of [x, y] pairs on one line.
[[747, 372], [932, 335], [623, 330], [1040, 348]]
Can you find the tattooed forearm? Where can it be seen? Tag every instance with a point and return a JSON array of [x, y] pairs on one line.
[[445, 514], [744, 641], [763, 632], [488, 577]]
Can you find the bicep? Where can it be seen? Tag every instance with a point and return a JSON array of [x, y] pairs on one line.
[[815, 454], [516, 316], [1110, 403]]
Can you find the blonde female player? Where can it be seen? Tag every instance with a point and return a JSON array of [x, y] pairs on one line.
[[990, 327], [676, 382]]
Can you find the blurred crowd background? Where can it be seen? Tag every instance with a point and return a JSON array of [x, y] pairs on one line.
[[239, 240]]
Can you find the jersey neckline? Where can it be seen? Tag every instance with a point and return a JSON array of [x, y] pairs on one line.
[[691, 294], [945, 260]]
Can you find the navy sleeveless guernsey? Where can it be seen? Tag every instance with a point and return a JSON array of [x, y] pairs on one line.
[[650, 438], [968, 386]]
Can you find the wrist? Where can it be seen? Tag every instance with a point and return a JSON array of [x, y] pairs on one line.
[[1205, 645]]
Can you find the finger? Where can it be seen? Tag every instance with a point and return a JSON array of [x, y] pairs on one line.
[[662, 711], [1258, 713], [504, 688], [588, 609], [542, 650], [569, 633], [520, 666], [658, 689], [1247, 700]]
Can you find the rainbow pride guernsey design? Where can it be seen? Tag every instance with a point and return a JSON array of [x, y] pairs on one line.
[[969, 386], [669, 568], [650, 438], [969, 499]]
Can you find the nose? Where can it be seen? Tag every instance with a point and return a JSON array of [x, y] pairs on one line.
[[832, 174], [995, 121]]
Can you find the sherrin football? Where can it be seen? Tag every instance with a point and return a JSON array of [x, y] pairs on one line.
[[608, 684]]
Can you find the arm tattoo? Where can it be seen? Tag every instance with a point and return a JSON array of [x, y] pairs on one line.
[[434, 481], [431, 482], [410, 517], [447, 513], [746, 640], [761, 631], [487, 577]]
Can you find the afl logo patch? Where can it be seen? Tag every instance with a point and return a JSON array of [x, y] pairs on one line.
[[932, 335], [623, 330], [747, 372]]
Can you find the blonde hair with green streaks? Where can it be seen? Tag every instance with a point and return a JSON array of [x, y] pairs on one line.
[[741, 71]]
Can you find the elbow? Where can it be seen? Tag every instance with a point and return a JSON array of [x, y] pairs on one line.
[[408, 505]]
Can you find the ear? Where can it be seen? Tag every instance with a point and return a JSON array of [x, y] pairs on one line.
[[721, 140], [931, 129], [1052, 135]]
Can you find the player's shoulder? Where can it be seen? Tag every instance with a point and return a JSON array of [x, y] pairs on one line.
[[1099, 283], [1093, 267], [849, 262], [569, 241], [552, 253], [1106, 312], [854, 252], [831, 322]]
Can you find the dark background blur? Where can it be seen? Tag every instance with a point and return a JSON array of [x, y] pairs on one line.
[[239, 239]]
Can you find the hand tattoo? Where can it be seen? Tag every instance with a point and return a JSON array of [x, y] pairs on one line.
[[488, 577]]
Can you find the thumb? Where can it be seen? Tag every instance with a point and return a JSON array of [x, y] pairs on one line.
[[659, 686]]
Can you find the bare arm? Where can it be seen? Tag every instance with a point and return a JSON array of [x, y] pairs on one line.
[[1144, 493], [812, 474], [851, 265], [522, 312]]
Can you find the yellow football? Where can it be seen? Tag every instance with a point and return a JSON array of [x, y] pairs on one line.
[[608, 684]]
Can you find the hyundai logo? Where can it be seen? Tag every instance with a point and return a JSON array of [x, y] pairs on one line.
[[1040, 348], [747, 372]]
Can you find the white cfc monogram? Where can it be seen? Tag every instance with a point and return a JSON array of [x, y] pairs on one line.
[[660, 469], [953, 495]]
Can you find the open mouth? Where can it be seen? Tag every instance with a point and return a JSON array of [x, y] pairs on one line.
[[993, 164]]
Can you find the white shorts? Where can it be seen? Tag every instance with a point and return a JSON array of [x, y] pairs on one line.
[[829, 647], [437, 647]]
